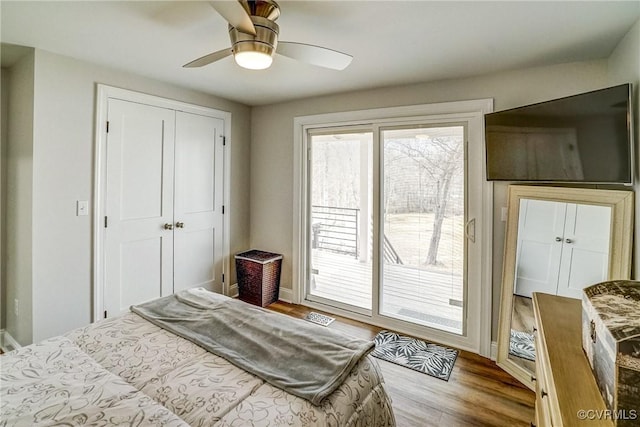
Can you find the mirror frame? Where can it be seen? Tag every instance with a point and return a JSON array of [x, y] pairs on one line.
[[620, 247]]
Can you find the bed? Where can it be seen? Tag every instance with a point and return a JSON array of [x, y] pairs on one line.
[[128, 370]]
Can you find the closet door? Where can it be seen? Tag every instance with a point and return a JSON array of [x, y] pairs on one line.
[[139, 204], [198, 250], [585, 250], [540, 231]]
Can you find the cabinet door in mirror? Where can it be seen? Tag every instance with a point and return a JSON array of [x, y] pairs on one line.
[[562, 247]]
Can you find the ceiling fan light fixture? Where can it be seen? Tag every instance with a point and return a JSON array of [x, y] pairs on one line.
[[255, 52], [253, 60], [254, 39]]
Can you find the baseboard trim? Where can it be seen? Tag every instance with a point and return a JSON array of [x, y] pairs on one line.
[[494, 350], [233, 291], [7, 342], [285, 295]]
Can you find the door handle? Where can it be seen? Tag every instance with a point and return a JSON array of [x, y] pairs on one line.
[[168, 226], [569, 241], [558, 239], [179, 224], [470, 236]]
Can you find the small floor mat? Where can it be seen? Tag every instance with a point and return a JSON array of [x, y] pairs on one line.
[[318, 318], [428, 358]]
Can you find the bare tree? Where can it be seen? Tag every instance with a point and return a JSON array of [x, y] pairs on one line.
[[440, 160]]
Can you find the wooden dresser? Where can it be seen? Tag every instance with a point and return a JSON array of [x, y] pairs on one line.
[[566, 390]]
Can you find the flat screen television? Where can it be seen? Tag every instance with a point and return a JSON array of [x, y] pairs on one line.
[[585, 138]]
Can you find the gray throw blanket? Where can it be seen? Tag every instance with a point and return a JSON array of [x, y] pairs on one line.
[[304, 359]]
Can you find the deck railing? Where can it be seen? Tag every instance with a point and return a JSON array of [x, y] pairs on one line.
[[390, 254], [336, 229]]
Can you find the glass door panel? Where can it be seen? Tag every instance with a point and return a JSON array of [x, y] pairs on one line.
[[423, 260], [340, 226]]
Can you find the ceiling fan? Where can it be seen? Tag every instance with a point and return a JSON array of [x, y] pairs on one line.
[[254, 39]]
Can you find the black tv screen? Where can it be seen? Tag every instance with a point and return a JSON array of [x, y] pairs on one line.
[[582, 138]]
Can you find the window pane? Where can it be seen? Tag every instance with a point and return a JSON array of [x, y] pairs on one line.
[[423, 260], [341, 218]]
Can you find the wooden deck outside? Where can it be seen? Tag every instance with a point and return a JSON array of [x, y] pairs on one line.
[[408, 293]]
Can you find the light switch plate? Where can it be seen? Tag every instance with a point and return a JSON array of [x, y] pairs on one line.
[[82, 208]]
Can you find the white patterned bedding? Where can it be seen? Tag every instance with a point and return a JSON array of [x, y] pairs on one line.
[[125, 370], [56, 383]]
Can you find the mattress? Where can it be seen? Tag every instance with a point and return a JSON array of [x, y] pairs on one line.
[[125, 370]]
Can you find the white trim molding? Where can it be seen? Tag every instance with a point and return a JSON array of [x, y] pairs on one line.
[[477, 336], [284, 294], [494, 351], [104, 93], [234, 291]]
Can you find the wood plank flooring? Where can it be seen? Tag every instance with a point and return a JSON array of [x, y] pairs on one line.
[[477, 394]]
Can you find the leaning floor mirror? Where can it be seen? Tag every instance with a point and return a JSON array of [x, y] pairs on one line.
[[559, 240]]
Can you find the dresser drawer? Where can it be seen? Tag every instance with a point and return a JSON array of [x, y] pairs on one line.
[[543, 401], [565, 386]]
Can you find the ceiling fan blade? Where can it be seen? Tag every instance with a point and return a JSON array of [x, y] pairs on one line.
[[315, 55], [236, 15], [208, 59]]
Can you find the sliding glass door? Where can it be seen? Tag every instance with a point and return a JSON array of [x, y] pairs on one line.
[[423, 255], [394, 220], [419, 238], [341, 219]]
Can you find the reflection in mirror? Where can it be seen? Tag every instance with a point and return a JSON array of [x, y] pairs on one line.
[[561, 249], [559, 240], [522, 349]]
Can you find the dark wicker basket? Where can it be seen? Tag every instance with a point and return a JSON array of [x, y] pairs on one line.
[[258, 276]]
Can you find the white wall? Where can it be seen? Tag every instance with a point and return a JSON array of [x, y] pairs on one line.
[[4, 110], [272, 141], [63, 171], [624, 67], [19, 197]]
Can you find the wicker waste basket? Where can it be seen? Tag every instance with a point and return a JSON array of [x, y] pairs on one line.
[[258, 276]]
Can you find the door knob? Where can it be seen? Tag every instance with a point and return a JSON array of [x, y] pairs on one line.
[[168, 226], [179, 224], [558, 239], [569, 241]]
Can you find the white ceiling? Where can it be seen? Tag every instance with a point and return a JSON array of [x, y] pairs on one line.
[[393, 42]]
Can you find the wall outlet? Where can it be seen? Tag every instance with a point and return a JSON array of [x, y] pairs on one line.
[[16, 307]]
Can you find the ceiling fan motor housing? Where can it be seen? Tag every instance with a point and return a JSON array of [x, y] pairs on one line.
[[264, 8], [265, 40]]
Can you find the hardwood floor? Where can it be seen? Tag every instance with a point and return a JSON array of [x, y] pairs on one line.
[[477, 394]]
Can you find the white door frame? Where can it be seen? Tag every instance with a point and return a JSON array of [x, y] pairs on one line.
[[471, 111], [104, 93]]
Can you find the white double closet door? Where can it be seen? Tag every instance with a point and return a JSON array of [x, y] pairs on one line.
[[164, 186], [562, 247]]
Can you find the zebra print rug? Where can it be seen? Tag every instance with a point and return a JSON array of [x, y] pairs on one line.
[[421, 356], [521, 345]]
